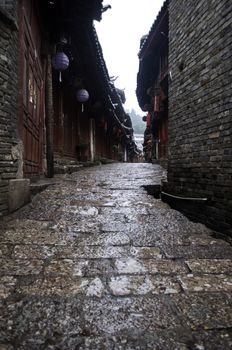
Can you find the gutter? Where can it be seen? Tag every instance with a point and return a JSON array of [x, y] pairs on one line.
[[185, 198]]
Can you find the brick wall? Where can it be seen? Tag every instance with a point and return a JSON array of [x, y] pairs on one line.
[[200, 105], [9, 6], [9, 150]]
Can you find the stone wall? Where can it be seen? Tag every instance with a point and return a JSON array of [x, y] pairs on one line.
[[200, 106], [9, 149]]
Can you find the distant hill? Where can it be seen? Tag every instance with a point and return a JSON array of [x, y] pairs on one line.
[[137, 123]]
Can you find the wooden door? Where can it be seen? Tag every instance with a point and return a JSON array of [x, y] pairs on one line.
[[70, 124], [31, 83], [163, 137]]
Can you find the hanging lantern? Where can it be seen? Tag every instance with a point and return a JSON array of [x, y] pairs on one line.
[[60, 62], [82, 96]]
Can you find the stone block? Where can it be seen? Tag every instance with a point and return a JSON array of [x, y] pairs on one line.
[[19, 193]]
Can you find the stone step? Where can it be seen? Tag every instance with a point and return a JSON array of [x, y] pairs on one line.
[[41, 185]]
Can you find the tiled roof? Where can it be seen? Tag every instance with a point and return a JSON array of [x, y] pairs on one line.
[[147, 38], [109, 88]]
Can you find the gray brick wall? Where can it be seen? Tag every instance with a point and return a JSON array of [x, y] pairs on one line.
[[200, 105], [10, 7], [8, 101]]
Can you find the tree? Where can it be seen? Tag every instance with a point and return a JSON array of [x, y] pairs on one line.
[[137, 123]]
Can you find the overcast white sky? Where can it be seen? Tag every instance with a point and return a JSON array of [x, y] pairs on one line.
[[119, 32]]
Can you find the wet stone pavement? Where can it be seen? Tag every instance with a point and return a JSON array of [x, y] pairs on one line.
[[94, 262]]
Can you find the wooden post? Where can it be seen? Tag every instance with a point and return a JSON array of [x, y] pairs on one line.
[[49, 118], [92, 139]]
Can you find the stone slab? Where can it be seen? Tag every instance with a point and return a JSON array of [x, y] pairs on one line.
[[19, 193]]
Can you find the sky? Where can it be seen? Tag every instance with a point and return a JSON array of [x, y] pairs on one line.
[[119, 33]]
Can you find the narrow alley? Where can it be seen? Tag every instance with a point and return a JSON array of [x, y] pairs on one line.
[[94, 262]]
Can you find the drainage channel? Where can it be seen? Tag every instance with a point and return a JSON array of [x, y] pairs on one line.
[[153, 190]]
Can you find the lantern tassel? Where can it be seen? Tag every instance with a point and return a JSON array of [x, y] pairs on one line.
[[60, 80], [82, 107]]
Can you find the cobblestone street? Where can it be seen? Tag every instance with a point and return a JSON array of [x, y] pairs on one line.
[[94, 262]]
